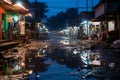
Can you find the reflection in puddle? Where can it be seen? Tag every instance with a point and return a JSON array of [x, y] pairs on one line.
[[90, 58], [71, 62]]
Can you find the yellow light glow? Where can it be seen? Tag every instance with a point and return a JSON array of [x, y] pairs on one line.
[[28, 71], [20, 5], [29, 14], [96, 62], [22, 64], [8, 1]]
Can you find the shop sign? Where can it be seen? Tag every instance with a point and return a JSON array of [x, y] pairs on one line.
[[111, 25], [22, 27]]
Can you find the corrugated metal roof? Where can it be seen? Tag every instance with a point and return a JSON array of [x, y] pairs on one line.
[[13, 7]]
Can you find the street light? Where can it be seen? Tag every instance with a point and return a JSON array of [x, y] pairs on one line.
[[20, 5]]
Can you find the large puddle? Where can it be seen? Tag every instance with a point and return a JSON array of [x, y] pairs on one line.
[[65, 60]]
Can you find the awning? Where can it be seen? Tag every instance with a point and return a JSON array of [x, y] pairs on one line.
[[96, 19], [13, 7], [104, 17], [107, 16]]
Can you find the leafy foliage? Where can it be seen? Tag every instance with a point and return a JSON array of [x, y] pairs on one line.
[[40, 9], [62, 18], [57, 22]]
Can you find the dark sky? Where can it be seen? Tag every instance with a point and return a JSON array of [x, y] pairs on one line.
[[56, 6]]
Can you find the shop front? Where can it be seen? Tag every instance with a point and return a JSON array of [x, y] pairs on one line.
[[11, 25], [91, 29], [107, 13], [12, 20]]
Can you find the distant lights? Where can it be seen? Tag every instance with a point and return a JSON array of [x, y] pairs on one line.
[[43, 26], [86, 22]]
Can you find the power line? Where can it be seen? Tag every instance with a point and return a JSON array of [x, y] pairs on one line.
[[60, 2], [55, 4], [59, 7], [81, 1], [64, 7], [66, 2], [68, 7]]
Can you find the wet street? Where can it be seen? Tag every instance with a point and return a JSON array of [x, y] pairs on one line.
[[66, 59], [59, 39], [60, 58]]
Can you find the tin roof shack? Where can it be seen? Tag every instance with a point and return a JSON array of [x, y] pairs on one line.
[[107, 11]]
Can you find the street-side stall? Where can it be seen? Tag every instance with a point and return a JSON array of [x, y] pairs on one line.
[[12, 20], [107, 12], [12, 25]]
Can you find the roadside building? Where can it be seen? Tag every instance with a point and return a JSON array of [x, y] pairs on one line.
[[87, 27], [12, 19], [107, 12], [12, 22]]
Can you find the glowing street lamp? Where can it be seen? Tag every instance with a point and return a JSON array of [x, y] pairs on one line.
[[20, 5]]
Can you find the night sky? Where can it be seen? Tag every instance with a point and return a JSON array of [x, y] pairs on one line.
[[56, 6]]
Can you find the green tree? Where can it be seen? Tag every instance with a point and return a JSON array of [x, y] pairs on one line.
[[59, 21], [71, 16], [40, 9]]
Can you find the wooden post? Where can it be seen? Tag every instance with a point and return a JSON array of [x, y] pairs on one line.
[[0, 26]]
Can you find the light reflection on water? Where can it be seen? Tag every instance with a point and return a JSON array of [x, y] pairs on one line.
[[63, 64]]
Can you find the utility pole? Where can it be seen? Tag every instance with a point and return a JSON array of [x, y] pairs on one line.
[[36, 0], [87, 28], [77, 17], [86, 15], [77, 14], [37, 11], [92, 4]]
